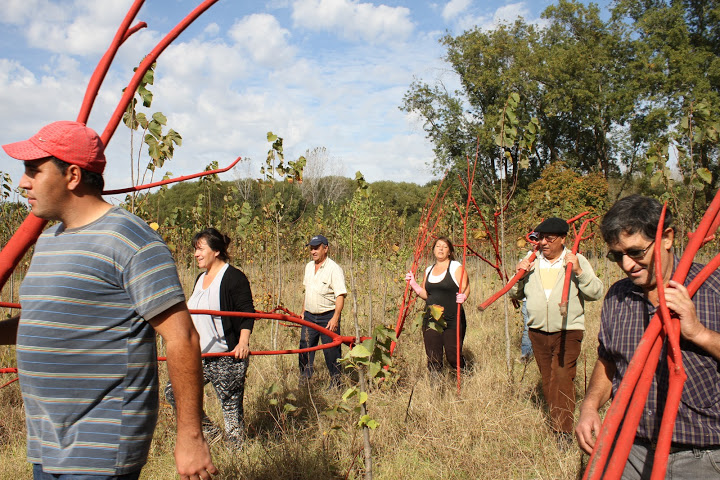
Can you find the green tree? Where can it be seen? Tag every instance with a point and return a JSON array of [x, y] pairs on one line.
[[571, 76]]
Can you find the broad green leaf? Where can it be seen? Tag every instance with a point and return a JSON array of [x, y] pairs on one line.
[[160, 118], [349, 393], [705, 175], [359, 351], [436, 311]]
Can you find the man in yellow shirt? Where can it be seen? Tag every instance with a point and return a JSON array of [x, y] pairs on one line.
[[325, 293]]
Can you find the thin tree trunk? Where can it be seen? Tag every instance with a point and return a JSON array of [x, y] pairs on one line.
[[361, 369]]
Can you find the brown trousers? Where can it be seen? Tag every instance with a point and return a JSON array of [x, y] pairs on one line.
[[556, 355]]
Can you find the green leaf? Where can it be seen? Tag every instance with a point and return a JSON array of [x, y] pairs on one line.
[[374, 369], [705, 175], [271, 137], [160, 118], [289, 408], [155, 128], [436, 311], [657, 178], [349, 393], [272, 389]]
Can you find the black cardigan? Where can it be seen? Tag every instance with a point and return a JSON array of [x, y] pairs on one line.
[[235, 296]]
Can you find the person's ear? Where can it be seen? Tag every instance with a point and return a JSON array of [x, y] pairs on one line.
[[667, 238], [73, 176]]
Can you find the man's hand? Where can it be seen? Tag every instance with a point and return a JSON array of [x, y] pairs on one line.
[[334, 323], [572, 258], [587, 429], [192, 458], [524, 264], [678, 300]]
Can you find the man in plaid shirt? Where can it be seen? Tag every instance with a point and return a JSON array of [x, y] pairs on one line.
[[629, 231]]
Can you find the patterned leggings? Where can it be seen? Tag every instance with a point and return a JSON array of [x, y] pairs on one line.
[[227, 376]]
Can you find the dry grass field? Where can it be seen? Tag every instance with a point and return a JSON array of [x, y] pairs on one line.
[[494, 429]]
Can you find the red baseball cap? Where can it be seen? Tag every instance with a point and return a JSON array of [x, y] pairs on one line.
[[71, 142]]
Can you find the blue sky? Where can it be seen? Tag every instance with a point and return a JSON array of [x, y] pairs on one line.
[[319, 73]]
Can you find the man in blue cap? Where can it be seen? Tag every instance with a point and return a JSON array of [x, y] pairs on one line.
[[325, 293], [556, 338]]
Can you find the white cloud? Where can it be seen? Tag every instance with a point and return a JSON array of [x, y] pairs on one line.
[[353, 20], [505, 15], [263, 38], [79, 28], [454, 8]]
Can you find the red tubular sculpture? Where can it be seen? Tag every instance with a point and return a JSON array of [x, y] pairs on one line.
[[520, 273], [291, 317], [28, 233], [568, 268], [426, 231], [458, 324], [641, 369]]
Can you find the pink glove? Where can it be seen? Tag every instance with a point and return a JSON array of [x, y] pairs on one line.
[[410, 278], [460, 297]]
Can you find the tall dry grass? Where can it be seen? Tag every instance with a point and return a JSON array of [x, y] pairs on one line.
[[496, 428]]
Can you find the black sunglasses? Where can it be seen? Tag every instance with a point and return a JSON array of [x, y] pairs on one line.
[[634, 253]]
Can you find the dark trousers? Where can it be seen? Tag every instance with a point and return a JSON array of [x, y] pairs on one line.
[[436, 343], [556, 355], [309, 338]]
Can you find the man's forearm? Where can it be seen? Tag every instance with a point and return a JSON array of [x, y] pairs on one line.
[[339, 304], [185, 370], [600, 387]]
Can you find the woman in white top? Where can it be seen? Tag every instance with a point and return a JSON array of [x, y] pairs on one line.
[[225, 288], [445, 286]]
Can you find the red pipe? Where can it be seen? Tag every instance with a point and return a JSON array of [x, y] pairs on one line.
[[28, 233], [519, 273], [147, 62], [123, 32], [171, 180], [568, 268]]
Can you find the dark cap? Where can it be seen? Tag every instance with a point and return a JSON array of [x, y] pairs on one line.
[[553, 225], [317, 240]]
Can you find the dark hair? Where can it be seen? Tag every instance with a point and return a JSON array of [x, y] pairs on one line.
[[449, 244], [631, 215], [215, 240], [92, 180]]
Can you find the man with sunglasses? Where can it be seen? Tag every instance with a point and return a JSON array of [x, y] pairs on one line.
[[325, 293], [556, 338], [629, 230]]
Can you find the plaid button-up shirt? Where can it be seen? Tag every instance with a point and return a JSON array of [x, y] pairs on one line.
[[625, 315]]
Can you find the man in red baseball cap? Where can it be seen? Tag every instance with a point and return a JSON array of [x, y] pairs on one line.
[[100, 284]]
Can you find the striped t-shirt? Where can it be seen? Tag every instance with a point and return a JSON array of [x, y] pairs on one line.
[[86, 355]]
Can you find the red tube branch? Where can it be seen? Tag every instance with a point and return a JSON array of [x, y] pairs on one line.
[[520, 273], [568, 268], [29, 231], [426, 231], [171, 180]]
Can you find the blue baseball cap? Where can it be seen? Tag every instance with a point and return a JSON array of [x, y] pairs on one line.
[[317, 240]]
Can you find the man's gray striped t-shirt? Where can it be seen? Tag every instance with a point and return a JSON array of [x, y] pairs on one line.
[[86, 355]]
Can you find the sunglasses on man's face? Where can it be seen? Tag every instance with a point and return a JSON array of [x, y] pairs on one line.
[[634, 253], [547, 238]]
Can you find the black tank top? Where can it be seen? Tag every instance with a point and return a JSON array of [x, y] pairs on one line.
[[444, 294]]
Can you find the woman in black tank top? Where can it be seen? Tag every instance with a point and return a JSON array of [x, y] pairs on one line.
[[439, 289]]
